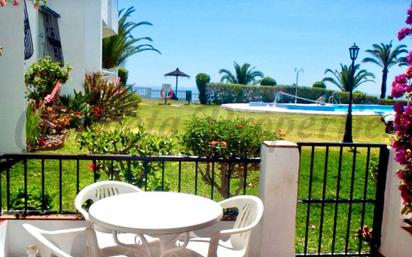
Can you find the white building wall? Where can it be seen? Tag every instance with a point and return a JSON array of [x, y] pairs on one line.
[[12, 96]]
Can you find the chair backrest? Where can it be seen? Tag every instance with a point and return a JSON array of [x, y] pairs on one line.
[[47, 247], [100, 190], [250, 211]]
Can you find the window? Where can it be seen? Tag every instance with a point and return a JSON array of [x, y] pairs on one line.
[[53, 46]]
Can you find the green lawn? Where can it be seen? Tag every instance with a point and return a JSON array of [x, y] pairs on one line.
[[170, 120]]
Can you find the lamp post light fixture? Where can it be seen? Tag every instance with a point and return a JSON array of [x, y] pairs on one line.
[[347, 137], [297, 81]]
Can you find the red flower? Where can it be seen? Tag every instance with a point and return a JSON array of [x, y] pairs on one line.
[[223, 144], [240, 126], [92, 166], [2, 2], [41, 141], [405, 194], [97, 111], [16, 2]]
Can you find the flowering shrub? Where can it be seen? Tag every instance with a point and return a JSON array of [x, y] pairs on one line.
[[108, 99], [227, 140], [402, 143]]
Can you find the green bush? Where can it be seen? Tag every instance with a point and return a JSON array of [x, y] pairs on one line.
[[42, 76], [226, 139], [123, 74], [319, 84], [220, 93], [34, 200], [268, 81], [201, 81], [125, 141], [78, 108], [33, 131]]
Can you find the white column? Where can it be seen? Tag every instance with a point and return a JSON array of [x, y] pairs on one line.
[[279, 169], [12, 96], [396, 242]]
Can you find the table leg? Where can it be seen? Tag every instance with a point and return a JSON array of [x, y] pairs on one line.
[[171, 245]]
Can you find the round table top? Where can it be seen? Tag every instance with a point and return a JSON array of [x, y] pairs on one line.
[[155, 213]]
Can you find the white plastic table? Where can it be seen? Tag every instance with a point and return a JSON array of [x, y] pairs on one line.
[[165, 215]]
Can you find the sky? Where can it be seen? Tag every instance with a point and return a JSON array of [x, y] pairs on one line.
[[275, 36]]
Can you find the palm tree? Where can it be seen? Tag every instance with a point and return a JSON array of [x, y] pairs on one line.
[[244, 74], [341, 78], [117, 48], [385, 57]]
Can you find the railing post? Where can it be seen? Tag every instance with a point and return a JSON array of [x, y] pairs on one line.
[[395, 241], [279, 169]]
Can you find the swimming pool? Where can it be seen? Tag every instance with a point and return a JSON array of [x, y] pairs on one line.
[[371, 108], [332, 109]]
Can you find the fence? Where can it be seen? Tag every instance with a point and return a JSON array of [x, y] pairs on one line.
[[341, 190], [43, 184], [147, 92]]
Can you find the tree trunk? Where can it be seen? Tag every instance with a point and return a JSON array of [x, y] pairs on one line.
[[383, 86]]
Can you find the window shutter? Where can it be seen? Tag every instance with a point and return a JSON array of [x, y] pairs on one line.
[[28, 41], [53, 46]]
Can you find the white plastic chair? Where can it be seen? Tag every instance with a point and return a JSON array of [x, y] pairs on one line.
[[57, 243], [64, 243], [250, 211], [102, 237]]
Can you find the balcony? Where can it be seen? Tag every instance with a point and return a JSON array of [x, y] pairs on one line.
[[109, 17]]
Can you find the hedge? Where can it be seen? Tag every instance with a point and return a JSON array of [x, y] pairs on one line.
[[221, 93]]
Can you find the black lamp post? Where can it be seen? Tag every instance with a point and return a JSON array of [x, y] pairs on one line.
[[347, 138]]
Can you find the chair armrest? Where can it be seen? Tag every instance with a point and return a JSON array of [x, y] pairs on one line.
[[235, 231]]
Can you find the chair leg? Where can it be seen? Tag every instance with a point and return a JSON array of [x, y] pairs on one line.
[[31, 250]]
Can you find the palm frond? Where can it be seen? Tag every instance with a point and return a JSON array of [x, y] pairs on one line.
[[117, 48]]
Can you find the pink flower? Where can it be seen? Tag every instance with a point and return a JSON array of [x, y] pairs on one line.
[[401, 174], [400, 156], [2, 2], [15, 2], [408, 20], [401, 79], [398, 107], [408, 72], [404, 32], [398, 90], [405, 194], [52, 96]]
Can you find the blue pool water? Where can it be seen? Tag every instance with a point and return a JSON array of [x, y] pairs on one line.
[[370, 108]]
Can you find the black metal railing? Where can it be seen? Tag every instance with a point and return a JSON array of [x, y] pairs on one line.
[[48, 183], [340, 199]]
